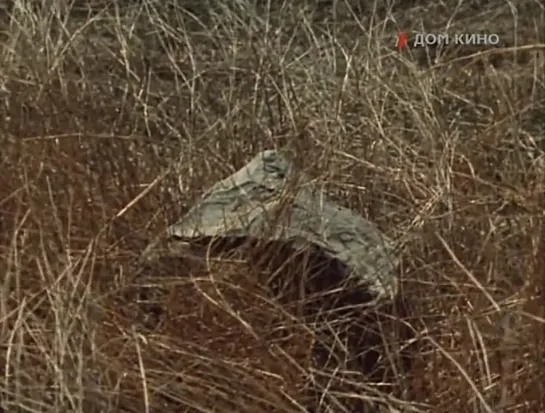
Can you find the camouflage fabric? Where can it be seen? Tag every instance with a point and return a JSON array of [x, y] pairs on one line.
[[256, 202]]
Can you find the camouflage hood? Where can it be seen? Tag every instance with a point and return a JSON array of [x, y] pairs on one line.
[[257, 202]]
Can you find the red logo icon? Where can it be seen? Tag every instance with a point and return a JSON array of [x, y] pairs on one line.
[[401, 40]]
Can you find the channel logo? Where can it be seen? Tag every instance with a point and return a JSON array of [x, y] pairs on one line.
[[437, 39]]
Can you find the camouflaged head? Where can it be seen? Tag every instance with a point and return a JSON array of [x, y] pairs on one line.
[[253, 203]]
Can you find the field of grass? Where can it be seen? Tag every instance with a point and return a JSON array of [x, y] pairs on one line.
[[116, 116]]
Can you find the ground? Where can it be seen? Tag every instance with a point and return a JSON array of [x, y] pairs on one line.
[[116, 117]]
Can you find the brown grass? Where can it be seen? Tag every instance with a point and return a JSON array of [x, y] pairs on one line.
[[117, 119]]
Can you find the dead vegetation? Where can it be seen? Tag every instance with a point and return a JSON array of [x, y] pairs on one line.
[[115, 119]]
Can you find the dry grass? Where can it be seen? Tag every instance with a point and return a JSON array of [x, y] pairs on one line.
[[105, 105]]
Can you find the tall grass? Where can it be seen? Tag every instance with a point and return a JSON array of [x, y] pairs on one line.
[[115, 116]]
